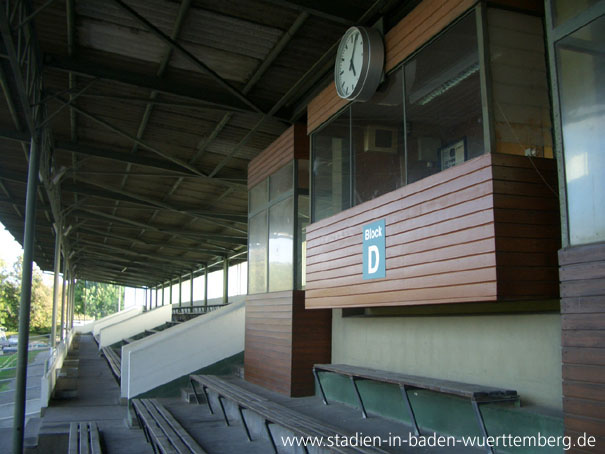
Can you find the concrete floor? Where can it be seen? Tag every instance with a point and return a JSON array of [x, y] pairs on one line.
[[215, 437], [98, 400]]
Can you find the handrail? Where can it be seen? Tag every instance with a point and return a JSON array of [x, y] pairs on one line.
[[184, 310]]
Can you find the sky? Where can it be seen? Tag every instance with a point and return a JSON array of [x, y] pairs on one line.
[[9, 248]]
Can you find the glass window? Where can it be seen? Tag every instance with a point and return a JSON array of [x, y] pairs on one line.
[[378, 141], [563, 10], [258, 197], [281, 245], [519, 84], [443, 102], [331, 172], [257, 253], [303, 222], [581, 72], [281, 181]]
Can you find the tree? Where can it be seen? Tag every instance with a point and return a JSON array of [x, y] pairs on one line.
[[97, 299], [10, 298]]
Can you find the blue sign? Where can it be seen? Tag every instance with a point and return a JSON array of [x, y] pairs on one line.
[[374, 255]]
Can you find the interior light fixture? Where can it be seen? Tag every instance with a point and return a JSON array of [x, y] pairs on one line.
[[444, 87]]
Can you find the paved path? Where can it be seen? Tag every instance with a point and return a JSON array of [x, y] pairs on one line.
[[97, 400]]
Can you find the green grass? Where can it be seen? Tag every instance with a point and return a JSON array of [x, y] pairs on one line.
[[10, 361]]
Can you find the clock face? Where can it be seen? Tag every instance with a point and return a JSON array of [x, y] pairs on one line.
[[359, 63], [349, 62]]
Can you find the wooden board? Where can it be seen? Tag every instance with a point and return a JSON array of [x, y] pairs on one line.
[[292, 144], [423, 23], [485, 230], [283, 341], [583, 338]]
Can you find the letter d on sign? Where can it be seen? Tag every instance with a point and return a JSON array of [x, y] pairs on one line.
[[374, 255], [373, 259]]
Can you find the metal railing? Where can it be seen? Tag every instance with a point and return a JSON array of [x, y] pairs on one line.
[[196, 310]]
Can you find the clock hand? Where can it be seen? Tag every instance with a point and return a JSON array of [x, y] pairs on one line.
[[351, 66]]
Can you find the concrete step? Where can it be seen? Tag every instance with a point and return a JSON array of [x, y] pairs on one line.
[[188, 396], [66, 388], [238, 370], [52, 437]]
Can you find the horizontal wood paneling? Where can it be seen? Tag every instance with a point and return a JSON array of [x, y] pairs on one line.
[[582, 276], [268, 353], [526, 209], [311, 344], [440, 244], [424, 22], [292, 144], [283, 341], [485, 230]]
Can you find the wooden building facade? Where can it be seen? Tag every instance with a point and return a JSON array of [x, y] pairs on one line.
[[471, 185]]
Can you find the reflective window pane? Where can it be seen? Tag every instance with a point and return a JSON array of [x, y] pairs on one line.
[[378, 141], [520, 93], [581, 72], [281, 245], [443, 102], [257, 253], [563, 10], [258, 197], [331, 171], [281, 181], [303, 222]]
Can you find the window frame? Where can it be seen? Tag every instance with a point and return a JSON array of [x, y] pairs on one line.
[[487, 114]]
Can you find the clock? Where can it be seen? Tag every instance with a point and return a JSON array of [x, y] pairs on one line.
[[359, 63]]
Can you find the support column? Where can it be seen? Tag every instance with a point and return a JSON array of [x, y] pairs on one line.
[[26, 293], [225, 280], [180, 291], [157, 292], [73, 301], [53, 328], [206, 285], [191, 289], [63, 289], [170, 284]]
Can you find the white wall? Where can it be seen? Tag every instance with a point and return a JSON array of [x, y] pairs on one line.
[[49, 379], [115, 318], [132, 326], [518, 351], [182, 349]]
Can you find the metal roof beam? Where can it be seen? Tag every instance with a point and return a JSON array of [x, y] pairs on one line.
[[190, 235], [100, 190], [189, 56], [193, 249], [210, 99], [91, 150], [340, 11]]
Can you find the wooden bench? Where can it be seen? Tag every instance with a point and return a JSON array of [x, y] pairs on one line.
[[114, 361], [477, 394], [162, 431], [273, 413], [84, 438]]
